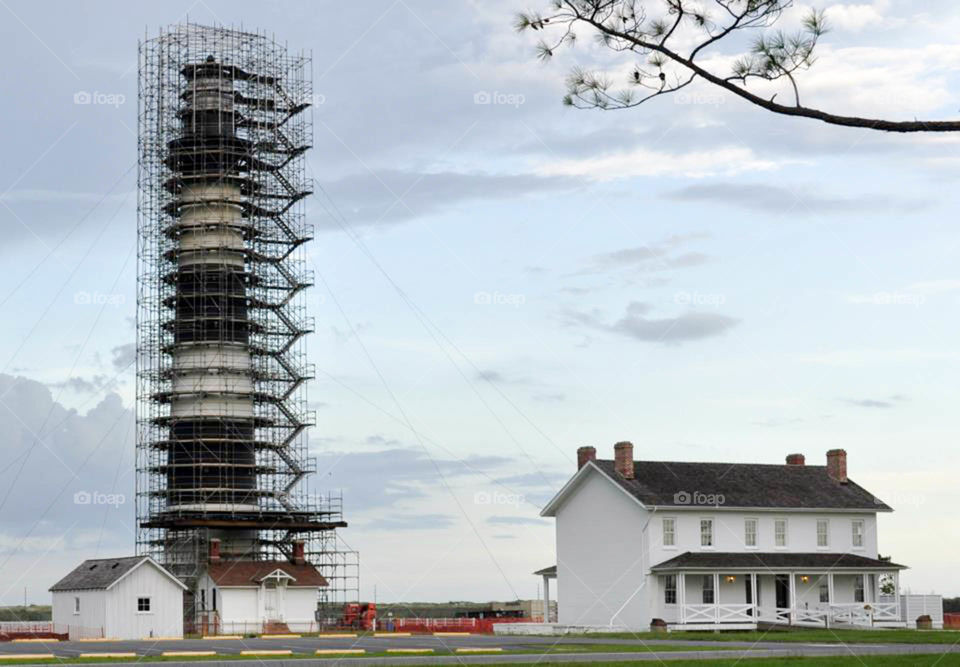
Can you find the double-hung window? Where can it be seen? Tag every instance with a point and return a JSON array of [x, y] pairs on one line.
[[857, 535], [823, 533], [824, 590], [750, 533], [670, 589], [858, 588], [780, 533], [669, 532], [708, 590], [706, 533]]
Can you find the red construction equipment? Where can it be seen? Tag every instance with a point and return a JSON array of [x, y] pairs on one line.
[[360, 615]]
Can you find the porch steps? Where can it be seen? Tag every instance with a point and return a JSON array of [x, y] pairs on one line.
[[276, 628]]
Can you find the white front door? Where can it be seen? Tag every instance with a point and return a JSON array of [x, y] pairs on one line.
[[271, 602]]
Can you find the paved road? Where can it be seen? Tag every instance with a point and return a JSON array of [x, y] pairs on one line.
[[646, 649]]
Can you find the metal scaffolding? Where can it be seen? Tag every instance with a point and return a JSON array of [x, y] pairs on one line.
[[224, 125]]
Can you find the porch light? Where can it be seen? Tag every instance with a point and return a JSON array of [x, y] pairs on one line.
[[804, 578], [730, 578]]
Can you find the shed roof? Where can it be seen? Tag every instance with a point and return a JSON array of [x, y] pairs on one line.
[[253, 572], [102, 573]]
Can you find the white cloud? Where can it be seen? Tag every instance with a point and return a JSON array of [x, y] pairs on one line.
[[723, 161], [854, 18]]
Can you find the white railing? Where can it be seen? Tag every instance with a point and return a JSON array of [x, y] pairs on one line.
[[886, 611], [855, 613], [816, 615], [717, 613], [700, 613], [734, 613]]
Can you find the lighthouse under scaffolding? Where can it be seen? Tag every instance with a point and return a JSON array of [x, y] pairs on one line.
[[224, 125]]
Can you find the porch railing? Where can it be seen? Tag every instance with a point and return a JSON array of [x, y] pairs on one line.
[[857, 613], [718, 613], [886, 611]]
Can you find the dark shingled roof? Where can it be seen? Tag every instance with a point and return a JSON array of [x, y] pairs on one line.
[[773, 561], [251, 572], [97, 574], [663, 483]]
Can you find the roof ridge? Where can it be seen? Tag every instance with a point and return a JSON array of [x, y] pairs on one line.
[[718, 463]]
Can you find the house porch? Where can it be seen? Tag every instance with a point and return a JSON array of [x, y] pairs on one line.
[[698, 598]]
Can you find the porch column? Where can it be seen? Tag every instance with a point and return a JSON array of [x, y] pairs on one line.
[[753, 596], [793, 594], [896, 588], [716, 596], [681, 596], [831, 601], [546, 599]]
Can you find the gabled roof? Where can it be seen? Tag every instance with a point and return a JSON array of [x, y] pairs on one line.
[[686, 485], [773, 561], [103, 573], [253, 572]]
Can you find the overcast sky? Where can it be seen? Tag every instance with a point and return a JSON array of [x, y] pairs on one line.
[[515, 278]]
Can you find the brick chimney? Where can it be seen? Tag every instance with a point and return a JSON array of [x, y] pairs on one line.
[[298, 557], [214, 555], [796, 459], [837, 465], [585, 454], [623, 459]]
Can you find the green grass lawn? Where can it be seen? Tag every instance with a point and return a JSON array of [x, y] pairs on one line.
[[805, 636], [947, 660], [841, 661]]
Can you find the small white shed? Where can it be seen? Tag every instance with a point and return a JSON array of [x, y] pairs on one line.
[[259, 596], [119, 598]]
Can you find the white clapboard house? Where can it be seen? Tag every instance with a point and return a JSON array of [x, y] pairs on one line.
[[118, 598], [719, 545]]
